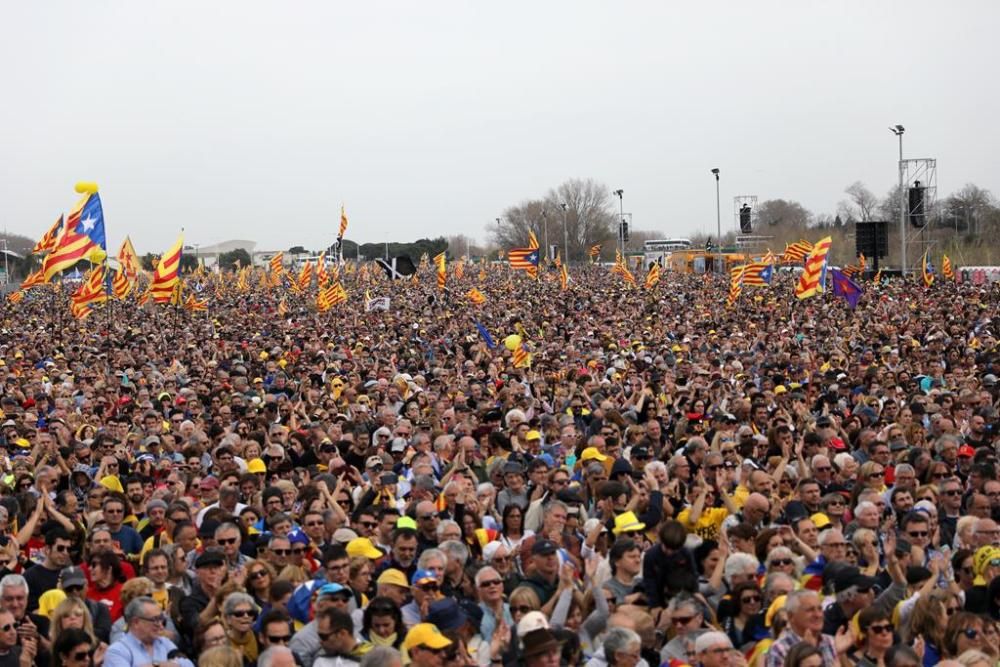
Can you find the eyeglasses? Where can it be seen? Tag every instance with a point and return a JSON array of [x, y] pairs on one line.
[[953, 492], [228, 540], [491, 582], [939, 475], [822, 469], [60, 548], [782, 561], [873, 475], [279, 639], [159, 620], [971, 633], [521, 609], [364, 524], [429, 588], [951, 611], [281, 552], [81, 655], [257, 574], [244, 613], [428, 517], [917, 533], [7, 628], [501, 559], [298, 551], [681, 620], [880, 629], [367, 524], [751, 599]]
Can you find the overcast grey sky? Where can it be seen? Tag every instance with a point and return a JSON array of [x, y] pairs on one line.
[[257, 119]]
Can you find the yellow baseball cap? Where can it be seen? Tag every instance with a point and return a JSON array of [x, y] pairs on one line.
[[362, 546], [592, 453], [394, 577], [532, 435], [821, 520], [425, 634], [256, 466]]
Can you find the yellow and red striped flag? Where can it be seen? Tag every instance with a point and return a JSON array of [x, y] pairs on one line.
[[442, 270], [33, 279], [48, 240], [532, 240], [305, 276], [476, 297], [166, 277], [322, 277], [595, 251], [563, 278], [282, 308], [193, 305], [16, 297], [343, 223], [946, 269], [653, 277], [92, 288], [521, 358], [460, 268], [276, 263], [735, 285], [80, 310], [796, 252], [812, 280]]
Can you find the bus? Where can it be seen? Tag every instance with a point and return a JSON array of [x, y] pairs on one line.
[[659, 250]]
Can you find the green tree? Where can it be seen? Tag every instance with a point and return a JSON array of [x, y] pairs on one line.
[[227, 260]]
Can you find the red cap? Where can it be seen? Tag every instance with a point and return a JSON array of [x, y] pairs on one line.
[[837, 443], [966, 451]]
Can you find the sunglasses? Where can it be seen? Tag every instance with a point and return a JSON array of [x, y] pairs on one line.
[[751, 599], [81, 655], [681, 620], [491, 582], [782, 561], [520, 609], [230, 540], [281, 552], [279, 639], [917, 533], [244, 613], [7, 628], [258, 574], [880, 629]]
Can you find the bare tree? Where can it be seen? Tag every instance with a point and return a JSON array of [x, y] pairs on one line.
[[860, 205], [775, 212], [589, 217]]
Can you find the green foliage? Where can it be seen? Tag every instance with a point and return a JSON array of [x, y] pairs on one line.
[[227, 260]]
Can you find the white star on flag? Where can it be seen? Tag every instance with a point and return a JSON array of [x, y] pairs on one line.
[[87, 224]]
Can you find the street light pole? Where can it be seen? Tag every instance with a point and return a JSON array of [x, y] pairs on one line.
[[565, 258], [545, 232], [898, 131], [621, 219], [718, 210]]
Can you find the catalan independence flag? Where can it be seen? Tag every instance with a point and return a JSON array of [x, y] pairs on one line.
[[440, 261], [166, 277], [82, 237], [757, 274], [523, 259], [927, 269], [476, 297]]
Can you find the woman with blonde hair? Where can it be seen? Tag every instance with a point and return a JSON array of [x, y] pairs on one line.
[[220, 656], [293, 573], [523, 600], [71, 613]]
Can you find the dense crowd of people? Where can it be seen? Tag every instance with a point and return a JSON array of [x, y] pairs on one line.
[[664, 481]]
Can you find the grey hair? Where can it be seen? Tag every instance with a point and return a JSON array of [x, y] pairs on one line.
[[483, 572], [826, 535], [794, 599], [134, 608], [379, 655], [775, 577], [905, 467], [686, 600], [863, 505], [619, 639], [655, 466], [235, 599], [427, 554], [12, 581], [512, 414], [862, 533], [455, 551], [944, 439], [554, 505], [485, 486], [229, 525], [738, 563], [447, 523], [784, 552], [267, 657]]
